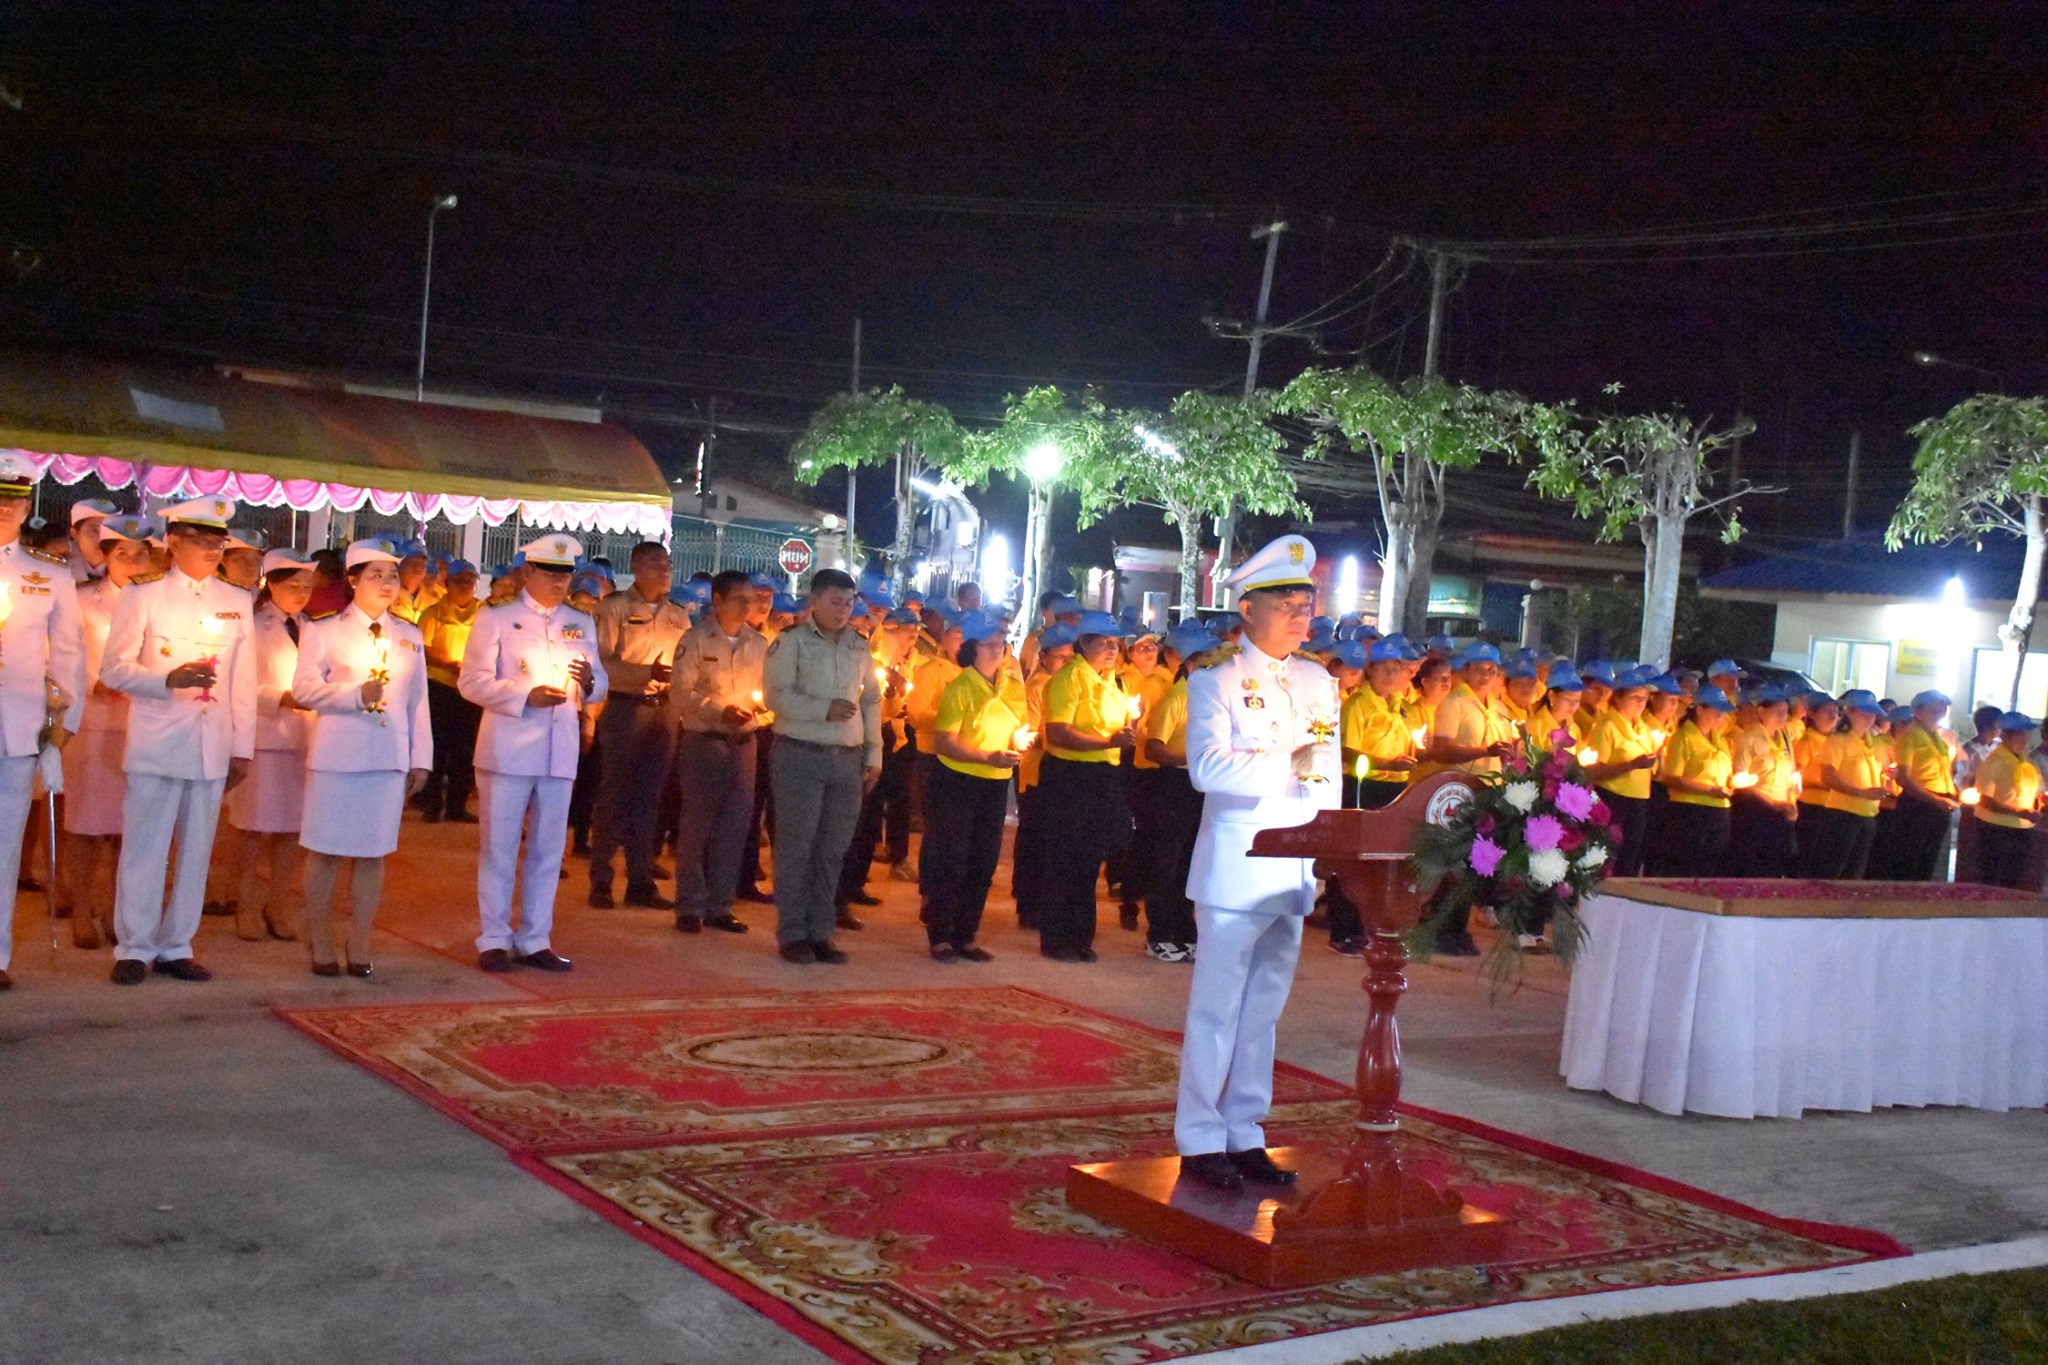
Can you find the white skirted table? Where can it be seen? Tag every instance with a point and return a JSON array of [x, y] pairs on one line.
[[1757, 999]]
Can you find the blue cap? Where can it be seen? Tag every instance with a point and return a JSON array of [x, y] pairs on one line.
[[1412, 653], [1476, 653], [1349, 653], [2016, 721], [979, 625], [1564, 678], [1100, 623], [1769, 694], [1861, 699], [860, 608], [460, 566], [1902, 715], [1931, 698], [1320, 642], [1818, 699], [1386, 652], [1191, 638], [766, 580], [1625, 679], [1351, 618], [1714, 699], [1518, 668], [1398, 638], [695, 591], [1599, 671], [586, 581], [1066, 606], [1440, 644], [1665, 684], [1228, 620], [1723, 667], [1057, 634], [913, 598], [904, 616], [1321, 625], [785, 604]]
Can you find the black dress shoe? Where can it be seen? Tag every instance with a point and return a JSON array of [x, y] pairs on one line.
[[800, 953], [754, 895], [689, 924], [361, 970], [600, 900], [182, 969], [827, 953], [647, 897], [1084, 954], [431, 817], [662, 872], [846, 919], [1214, 1169], [1061, 954], [327, 969], [945, 952], [1257, 1166], [128, 972], [727, 924], [1127, 917], [863, 898], [546, 960], [212, 909], [970, 953], [462, 817], [494, 960], [6, 981]]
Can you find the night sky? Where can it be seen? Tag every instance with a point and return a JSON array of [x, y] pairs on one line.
[[660, 210]]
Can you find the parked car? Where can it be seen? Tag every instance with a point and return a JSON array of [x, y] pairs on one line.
[[1760, 671]]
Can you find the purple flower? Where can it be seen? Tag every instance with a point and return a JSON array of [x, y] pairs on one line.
[[1543, 832], [1575, 800], [1486, 856]]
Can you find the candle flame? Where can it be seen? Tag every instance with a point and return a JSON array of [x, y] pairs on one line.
[[1970, 797], [1589, 755], [1360, 768], [757, 696], [1421, 734], [1024, 738], [1741, 780]]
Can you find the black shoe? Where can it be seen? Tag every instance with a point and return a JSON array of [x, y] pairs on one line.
[[430, 817], [580, 849], [128, 972], [801, 953], [945, 952], [1061, 954], [754, 895], [494, 960], [6, 981], [727, 924], [970, 953], [1127, 917], [212, 909], [1461, 946], [662, 872], [462, 817], [182, 969], [1258, 1167], [1348, 947], [863, 898], [1084, 954], [546, 960], [689, 924], [846, 919], [327, 969], [647, 897], [362, 971], [1214, 1169], [827, 953], [600, 900]]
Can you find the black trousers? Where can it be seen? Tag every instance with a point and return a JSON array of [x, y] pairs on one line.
[[1366, 795], [2001, 854], [641, 738], [455, 720], [1141, 796], [1919, 839], [884, 810], [1083, 803], [1119, 863], [1026, 861], [760, 818], [1761, 842], [583, 796], [1632, 813], [1814, 849], [963, 842], [1177, 819], [1843, 845], [1694, 841]]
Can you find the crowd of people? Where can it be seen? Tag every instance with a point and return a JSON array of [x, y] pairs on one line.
[[181, 669]]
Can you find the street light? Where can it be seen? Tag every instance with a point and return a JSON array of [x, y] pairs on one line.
[[1930, 360], [441, 201], [1042, 463]]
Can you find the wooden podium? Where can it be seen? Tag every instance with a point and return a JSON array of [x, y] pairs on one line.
[[1366, 1214]]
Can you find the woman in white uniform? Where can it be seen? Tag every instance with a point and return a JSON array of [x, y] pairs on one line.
[[265, 807], [94, 781], [363, 673]]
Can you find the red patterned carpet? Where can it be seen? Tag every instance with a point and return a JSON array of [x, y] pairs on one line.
[[883, 1172]]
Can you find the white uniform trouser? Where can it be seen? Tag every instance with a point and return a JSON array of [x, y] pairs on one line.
[[504, 802], [17, 793], [1244, 967], [155, 810]]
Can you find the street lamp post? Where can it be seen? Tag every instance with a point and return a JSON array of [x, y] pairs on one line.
[[441, 201]]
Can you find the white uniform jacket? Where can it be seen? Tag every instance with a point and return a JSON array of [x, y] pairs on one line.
[[95, 615], [158, 627], [277, 659], [515, 647], [42, 637], [1246, 717], [336, 656]]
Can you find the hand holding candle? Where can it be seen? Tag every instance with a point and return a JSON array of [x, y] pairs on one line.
[[211, 628], [1742, 781], [1970, 796], [1023, 738]]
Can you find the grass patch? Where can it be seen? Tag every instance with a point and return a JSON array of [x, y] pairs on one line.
[[1981, 1319]]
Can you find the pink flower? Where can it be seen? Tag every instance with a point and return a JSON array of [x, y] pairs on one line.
[[1483, 825], [1543, 832], [1560, 744], [1516, 763], [1600, 815], [1575, 800], [1486, 856]]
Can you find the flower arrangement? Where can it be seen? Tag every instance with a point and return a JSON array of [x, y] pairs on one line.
[[1534, 842]]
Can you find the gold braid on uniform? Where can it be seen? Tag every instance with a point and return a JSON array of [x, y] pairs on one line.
[[328, 615], [150, 577], [1221, 653], [37, 552]]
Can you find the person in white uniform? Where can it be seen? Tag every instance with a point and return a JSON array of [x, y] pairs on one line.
[[183, 649], [1262, 748], [363, 674], [531, 662], [88, 560], [265, 809], [40, 639], [93, 781]]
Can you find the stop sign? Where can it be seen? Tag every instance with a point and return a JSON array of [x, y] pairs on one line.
[[794, 556]]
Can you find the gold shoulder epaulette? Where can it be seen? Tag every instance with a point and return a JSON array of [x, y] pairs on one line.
[[47, 558], [1224, 652], [150, 577], [502, 602], [327, 615]]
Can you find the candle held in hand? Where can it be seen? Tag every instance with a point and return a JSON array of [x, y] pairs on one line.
[[1588, 756], [1970, 797], [1420, 734], [1023, 738], [1742, 780]]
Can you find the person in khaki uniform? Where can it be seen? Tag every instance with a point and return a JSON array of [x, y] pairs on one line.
[[717, 688]]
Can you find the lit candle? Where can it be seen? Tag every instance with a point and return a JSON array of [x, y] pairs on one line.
[[1420, 734], [1136, 706], [757, 696], [6, 602], [211, 628], [1361, 767], [1589, 756], [1970, 797], [1657, 738], [1741, 780], [1023, 738]]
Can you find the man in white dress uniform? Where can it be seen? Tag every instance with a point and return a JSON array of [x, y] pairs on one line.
[[530, 662], [1262, 747], [184, 650], [40, 637]]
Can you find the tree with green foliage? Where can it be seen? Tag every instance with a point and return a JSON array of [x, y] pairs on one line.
[[1981, 469], [881, 427], [1653, 472], [1413, 434]]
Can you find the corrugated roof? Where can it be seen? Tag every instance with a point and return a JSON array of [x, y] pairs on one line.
[[1861, 566]]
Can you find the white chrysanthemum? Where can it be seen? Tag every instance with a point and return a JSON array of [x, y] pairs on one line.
[[1548, 867], [1593, 857], [1521, 795]]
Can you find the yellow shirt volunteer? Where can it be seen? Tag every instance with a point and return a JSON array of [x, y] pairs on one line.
[[445, 627], [1081, 697], [1699, 757], [1376, 727], [1926, 758], [1034, 716], [1614, 738], [1810, 752], [984, 716], [1858, 762], [2005, 776], [1767, 758], [1150, 689], [927, 688], [1168, 721], [1467, 721]]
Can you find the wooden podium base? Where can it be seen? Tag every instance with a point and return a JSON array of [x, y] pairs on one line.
[[1278, 1237]]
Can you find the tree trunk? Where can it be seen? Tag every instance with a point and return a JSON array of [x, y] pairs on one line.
[[1393, 574], [1421, 561], [1041, 555], [1190, 565], [906, 524], [2019, 626], [1663, 554]]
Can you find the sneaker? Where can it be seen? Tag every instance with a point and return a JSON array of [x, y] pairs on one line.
[[1166, 952]]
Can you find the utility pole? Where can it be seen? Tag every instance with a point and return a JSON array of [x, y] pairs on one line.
[[1226, 527], [419, 388], [1849, 485], [852, 479], [1437, 262]]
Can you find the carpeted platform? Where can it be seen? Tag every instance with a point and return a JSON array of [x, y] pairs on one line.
[[882, 1172]]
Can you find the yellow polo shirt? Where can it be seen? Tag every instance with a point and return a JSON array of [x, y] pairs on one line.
[[1467, 721], [1376, 727], [984, 716], [1769, 759], [1081, 697], [1150, 689], [2007, 777], [1614, 738], [927, 692], [1699, 757], [1926, 758], [1810, 752], [1858, 762], [1034, 716], [1168, 721]]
